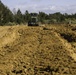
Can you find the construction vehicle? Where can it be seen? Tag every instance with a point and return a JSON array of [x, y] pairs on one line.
[[33, 20]]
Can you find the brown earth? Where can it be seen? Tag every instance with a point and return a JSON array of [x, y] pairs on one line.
[[42, 50]]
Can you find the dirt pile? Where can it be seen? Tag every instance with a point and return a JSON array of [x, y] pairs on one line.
[[37, 51]]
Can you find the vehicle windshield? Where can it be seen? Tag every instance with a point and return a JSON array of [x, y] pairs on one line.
[[33, 19]]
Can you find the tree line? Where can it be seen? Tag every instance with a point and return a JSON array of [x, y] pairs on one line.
[[7, 17]]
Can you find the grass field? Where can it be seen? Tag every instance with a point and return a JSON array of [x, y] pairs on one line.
[[41, 50]]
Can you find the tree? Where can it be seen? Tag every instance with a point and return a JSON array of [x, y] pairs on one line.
[[18, 17], [42, 17], [5, 14], [27, 16]]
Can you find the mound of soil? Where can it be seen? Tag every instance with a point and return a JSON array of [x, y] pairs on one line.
[[36, 51]]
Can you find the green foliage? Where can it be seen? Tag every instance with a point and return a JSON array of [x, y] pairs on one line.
[[5, 14], [27, 16], [10, 24], [17, 17]]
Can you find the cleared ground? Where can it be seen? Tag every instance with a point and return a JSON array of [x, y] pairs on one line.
[[42, 50]]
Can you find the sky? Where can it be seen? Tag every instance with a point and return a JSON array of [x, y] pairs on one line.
[[47, 6]]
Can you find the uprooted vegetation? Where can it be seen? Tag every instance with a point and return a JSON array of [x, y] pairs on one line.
[[70, 37], [37, 51]]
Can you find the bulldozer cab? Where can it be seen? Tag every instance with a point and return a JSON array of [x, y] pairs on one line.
[[34, 20]]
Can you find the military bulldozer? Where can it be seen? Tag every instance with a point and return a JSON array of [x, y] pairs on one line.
[[33, 20]]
